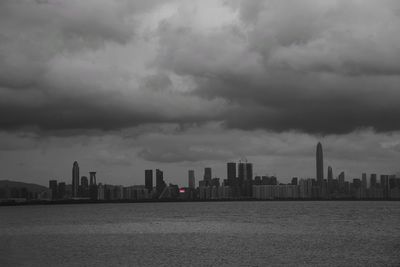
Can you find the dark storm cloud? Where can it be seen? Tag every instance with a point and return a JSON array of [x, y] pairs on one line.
[[79, 65], [103, 111], [315, 66]]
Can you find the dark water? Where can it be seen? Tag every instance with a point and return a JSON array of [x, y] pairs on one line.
[[202, 234]]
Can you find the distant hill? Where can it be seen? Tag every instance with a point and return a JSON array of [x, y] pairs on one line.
[[34, 188]]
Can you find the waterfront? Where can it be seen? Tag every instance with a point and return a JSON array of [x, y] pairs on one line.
[[202, 234]]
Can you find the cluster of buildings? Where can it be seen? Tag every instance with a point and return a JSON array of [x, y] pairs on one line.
[[84, 188], [243, 186], [239, 184]]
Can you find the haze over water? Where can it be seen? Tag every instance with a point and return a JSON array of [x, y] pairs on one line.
[[202, 234]]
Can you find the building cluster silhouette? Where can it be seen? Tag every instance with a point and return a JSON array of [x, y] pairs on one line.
[[240, 183]]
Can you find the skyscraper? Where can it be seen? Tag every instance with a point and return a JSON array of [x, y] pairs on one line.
[[160, 184], [75, 179], [364, 181], [248, 180], [372, 183], [330, 180], [207, 174], [148, 179], [61, 190], [330, 173], [93, 186], [53, 187], [240, 181], [341, 182], [93, 178], [191, 179], [241, 172], [231, 172], [320, 164], [84, 187], [84, 182], [385, 185], [249, 171]]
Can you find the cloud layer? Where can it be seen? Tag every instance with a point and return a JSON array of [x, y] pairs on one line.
[[330, 67]]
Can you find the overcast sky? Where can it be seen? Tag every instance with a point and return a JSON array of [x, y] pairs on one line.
[[121, 86]]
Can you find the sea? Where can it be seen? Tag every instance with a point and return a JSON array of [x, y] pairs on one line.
[[238, 233]]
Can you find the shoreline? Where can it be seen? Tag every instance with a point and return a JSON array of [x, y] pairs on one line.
[[77, 202]]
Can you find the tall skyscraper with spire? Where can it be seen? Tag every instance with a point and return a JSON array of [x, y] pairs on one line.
[[75, 179], [320, 164]]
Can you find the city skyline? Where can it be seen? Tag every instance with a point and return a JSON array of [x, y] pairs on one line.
[[181, 85], [237, 175], [219, 170], [238, 184]]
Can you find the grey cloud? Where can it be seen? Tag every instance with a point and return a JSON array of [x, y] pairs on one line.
[[69, 57], [32, 33], [314, 67], [64, 113], [318, 67], [213, 141]]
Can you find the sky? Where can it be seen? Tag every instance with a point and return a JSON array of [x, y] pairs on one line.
[[122, 86]]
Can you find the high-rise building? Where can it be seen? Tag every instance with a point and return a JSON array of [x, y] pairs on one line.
[[330, 180], [53, 187], [207, 174], [232, 180], [320, 164], [62, 191], [385, 185], [75, 179], [341, 182], [364, 181], [92, 178], [231, 171], [148, 179], [249, 171], [84, 182], [241, 172], [160, 184], [241, 188], [93, 194], [274, 180], [84, 187], [330, 173], [248, 180], [372, 182], [191, 179], [356, 189]]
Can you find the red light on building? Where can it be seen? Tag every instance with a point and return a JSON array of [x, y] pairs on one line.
[[182, 190]]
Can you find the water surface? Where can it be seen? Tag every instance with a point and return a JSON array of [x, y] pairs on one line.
[[202, 234]]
